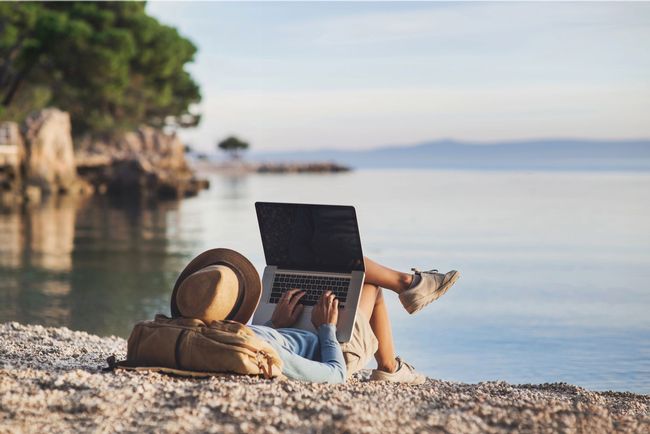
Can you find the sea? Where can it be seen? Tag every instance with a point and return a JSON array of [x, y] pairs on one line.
[[555, 265]]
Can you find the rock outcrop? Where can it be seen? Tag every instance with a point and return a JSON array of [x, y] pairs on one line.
[[146, 162], [12, 155], [42, 160], [50, 161], [327, 167], [39, 160], [240, 167]]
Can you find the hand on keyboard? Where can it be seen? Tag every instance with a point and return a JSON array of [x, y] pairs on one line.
[[326, 310], [288, 309], [313, 286]]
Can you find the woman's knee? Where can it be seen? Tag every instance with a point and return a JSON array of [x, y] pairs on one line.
[[372, 289], [380, 296], [368, 299]]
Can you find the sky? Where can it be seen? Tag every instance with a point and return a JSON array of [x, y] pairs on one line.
[[342, 75]]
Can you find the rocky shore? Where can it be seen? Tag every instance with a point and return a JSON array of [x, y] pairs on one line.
[[40, 158], [314, 167], [51, 381], [242, 167]]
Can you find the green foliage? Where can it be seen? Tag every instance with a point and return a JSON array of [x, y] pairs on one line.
[[30, 98], [233, 146], [109, 64]]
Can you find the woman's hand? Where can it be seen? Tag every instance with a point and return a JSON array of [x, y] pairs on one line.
[[288, 310], [326, 311]]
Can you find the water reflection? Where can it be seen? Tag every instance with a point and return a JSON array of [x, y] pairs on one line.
[[12, 240], [92, 265], [234, 185], [555, 265], [37, 244], [49, 234], [40, 236]]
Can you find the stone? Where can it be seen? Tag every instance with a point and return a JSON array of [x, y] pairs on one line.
[[81, 187], [33, 193], [9, 199], [12, 157], [50, 162], [51, 377], [146, 163]]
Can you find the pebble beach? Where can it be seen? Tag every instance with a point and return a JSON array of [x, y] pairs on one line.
[[51, 380]]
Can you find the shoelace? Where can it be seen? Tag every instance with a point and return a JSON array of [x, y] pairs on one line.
[[416, 271], [402, 362]]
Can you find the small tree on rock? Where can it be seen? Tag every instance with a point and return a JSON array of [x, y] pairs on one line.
[[233, 146]]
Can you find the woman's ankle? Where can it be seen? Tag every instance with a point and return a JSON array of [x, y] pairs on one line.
[[405, 280], [388, 366]]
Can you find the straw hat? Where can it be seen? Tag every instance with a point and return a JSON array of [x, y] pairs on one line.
[[218, 284]]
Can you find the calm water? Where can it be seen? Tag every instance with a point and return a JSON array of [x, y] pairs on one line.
[[556, 266]]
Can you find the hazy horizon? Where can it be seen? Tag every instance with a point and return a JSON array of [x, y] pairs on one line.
[[340, 75], [450, 140]]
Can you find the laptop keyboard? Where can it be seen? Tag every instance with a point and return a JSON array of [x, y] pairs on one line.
[[313, 285]]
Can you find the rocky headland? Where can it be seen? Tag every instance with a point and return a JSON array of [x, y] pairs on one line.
[[51, 380], [146, 161], [39, 158]]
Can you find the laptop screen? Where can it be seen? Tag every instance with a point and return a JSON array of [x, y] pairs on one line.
[[310, 237]]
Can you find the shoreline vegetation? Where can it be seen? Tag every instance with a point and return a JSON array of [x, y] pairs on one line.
[[40, 158], [119, 80], [97, 112], [51, 380]]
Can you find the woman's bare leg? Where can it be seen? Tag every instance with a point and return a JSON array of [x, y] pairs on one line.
[[384, 277], [373, 307]]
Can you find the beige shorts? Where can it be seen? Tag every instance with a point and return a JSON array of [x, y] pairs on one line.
[[361, 347]]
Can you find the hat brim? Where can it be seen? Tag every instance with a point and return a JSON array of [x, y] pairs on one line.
[[250, 279]]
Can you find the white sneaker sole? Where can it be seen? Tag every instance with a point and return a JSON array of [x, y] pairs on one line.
[[382, 376], [425, 300]]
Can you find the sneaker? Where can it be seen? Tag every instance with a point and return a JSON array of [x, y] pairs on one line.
[[404, 373], [431, 286]]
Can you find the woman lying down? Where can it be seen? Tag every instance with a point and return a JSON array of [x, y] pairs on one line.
[[222, 284]]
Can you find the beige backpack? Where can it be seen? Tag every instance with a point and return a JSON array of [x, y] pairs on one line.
[[189, 347]]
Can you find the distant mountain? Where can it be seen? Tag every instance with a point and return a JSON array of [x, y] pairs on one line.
[[552, 154]]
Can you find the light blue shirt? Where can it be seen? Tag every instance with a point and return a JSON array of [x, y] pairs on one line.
[[307, 356]]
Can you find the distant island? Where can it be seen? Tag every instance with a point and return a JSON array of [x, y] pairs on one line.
[[538, 154], [235, 147], [276, 167]]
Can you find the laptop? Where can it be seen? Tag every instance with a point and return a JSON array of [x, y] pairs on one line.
[[314, 248]]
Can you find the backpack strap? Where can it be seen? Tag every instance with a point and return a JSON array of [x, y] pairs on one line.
[[177, 348], [114, 364], [267, 371]]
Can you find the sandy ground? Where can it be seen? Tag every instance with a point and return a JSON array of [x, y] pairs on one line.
[[51, 381]]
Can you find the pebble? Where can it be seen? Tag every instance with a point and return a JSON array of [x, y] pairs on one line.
[[51, 377]]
